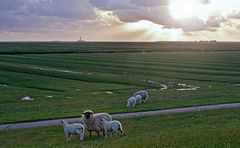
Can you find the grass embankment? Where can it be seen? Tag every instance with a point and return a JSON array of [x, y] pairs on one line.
[[218, 128]]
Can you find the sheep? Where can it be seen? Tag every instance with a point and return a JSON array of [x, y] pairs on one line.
[[138, 99], [112, 127], [143, 94], [73, 129], [92, 122], [132, 101]]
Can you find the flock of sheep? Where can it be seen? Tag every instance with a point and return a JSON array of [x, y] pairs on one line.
[[137, 98], [101, 122]]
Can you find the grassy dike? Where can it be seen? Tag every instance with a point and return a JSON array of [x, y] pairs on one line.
[[219, 128]]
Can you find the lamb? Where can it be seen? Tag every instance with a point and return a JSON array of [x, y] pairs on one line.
[[143, 94], [73, 129], [132, 101], [92, 122], [112, 127]]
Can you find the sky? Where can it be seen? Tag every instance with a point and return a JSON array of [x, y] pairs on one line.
[[119, 20]]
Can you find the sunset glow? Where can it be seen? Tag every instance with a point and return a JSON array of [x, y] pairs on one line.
[[113, 20], [183, 9]]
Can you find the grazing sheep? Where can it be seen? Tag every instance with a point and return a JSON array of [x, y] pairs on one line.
[[112, 127], [132, 101], [138, 99], [92, 122], [143, 94], [73, 129]]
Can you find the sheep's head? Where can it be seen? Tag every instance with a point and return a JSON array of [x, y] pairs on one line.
[[102, 121], [88, 113], [63, 122]]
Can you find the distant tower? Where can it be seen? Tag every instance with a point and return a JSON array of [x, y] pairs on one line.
[[80, 40]]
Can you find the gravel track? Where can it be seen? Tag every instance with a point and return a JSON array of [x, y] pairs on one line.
[[37, 124]]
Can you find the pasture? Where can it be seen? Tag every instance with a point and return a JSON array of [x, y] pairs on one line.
[[218, 128], [67, 78]]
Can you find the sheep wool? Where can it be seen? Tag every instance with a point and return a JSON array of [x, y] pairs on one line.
[[112, 127], [138, 99], [143, 94], [131, 102], [93, 123], [73, 129]]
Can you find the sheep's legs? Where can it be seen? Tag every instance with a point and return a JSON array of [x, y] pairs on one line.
[[106, 134], [81, 135], [98, 134], [90, 133], [111, 134], [69, 138], [120, 133]]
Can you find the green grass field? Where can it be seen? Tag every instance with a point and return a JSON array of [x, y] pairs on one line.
[[113, 47], [64, 83], [219, 129]]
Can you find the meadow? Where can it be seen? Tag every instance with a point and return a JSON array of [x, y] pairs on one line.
[[67, 78], [113, 47], [199, 129]]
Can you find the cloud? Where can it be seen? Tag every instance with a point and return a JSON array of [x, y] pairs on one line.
[[126, 4], [205, 1], [43, 15], [62, 8], [158, 12], [112, 4], [147, 3], [85, 16], [8, 5], [235, 15], [161, 15]]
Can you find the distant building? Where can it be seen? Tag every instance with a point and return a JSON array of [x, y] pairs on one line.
[[80, 40], [210, 41], [213, 41]]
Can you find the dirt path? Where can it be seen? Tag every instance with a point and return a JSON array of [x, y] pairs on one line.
[[36, 124]]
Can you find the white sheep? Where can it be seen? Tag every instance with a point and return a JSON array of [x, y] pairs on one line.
[[138, 99], [143, 94], [92, 122], [112, 127], [132, 101], [73, 129]]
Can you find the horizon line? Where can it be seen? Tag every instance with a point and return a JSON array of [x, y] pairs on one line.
[[92, 41]]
